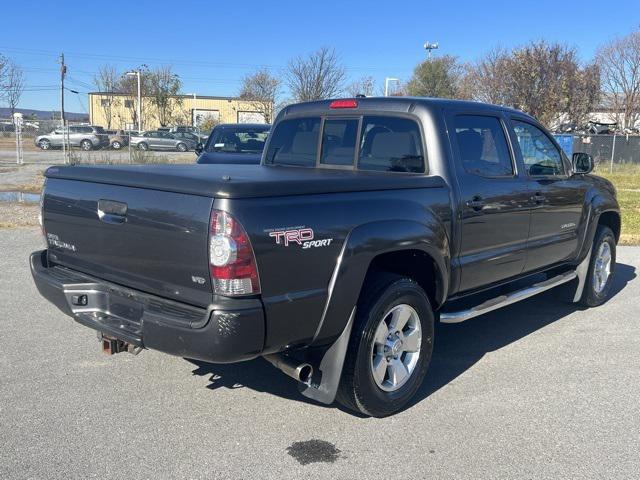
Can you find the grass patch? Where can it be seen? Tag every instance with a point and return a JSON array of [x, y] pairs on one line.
[[626, 179]]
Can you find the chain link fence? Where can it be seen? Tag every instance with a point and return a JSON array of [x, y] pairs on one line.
[[605, 149]]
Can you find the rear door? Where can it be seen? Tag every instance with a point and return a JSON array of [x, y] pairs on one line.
[[556, 197], [493, 206]]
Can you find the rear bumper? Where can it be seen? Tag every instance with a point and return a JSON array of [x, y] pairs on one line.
[[231, 331]]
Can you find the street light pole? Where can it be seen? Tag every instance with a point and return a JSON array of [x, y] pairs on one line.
[[386, 84], [137, 74], [194, 118]]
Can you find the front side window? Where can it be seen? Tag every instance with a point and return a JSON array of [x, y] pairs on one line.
[[539, 154], [339, 141], [390, 144], [483, 146], [294, 142]]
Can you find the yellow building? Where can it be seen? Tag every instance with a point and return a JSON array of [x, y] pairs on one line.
[[119, 111]]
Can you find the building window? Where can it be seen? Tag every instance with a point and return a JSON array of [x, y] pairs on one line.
[[128, 103], [104, 102]]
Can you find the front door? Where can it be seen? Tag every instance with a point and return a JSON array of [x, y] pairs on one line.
[[493, 208], [557, 197]]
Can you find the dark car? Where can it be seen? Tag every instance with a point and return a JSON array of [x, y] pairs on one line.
[[368, 221], [240, 143]]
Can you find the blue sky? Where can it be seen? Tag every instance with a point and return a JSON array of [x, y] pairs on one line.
[[213, 44]]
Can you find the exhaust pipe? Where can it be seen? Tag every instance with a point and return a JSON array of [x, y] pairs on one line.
[[301, 372]]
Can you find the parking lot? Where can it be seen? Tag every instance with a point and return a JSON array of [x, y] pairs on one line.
[[536, 390]]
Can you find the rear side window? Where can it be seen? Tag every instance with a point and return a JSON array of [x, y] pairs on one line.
[[294, 142], [483, 146], [390, 144], [339, 141]]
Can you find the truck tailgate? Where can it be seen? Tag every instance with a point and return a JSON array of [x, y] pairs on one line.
[[149, 240]]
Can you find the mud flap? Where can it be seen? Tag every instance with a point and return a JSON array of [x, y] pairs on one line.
[[582, 270], [330, 368]]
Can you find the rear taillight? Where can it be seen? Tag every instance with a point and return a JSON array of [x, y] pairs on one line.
[[231, 258]]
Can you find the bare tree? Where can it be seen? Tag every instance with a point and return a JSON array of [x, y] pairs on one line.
[[164, 88], [485, 80], [364, 86], [543, 79], [261, 90], [14, 86], [437, 77], [316, 77], [107, 81], [582, 93], [4, 63], [619, 63]]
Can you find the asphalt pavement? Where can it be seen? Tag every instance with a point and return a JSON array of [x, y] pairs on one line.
[[539, 389]]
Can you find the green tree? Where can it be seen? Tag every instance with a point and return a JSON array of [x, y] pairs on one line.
[[437, 77]]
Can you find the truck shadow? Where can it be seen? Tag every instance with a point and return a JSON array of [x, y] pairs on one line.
[[457, 346]]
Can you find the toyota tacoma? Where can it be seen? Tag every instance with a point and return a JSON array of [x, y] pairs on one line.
[[367, 221]]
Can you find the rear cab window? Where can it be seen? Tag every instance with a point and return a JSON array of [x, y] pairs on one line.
[[379, 143]]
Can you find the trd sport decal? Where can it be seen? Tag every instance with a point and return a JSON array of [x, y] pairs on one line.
[[302, 236]]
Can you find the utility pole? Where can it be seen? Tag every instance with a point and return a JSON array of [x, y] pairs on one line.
[[63, 72]]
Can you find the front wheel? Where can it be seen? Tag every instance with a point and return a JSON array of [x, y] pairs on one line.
[[143, 146], [597, 286], [181, 147], [116, 145], [390, 346], [44, 144]]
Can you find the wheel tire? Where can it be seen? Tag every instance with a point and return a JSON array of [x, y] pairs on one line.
[[358, 388], [116, 145], [86, 145], [181, 147], [595, 294], [143, 146], [44, 144]]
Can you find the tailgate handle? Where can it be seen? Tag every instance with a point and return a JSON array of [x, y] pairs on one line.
[[110, 211]]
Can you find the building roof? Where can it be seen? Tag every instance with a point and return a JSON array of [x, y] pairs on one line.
[[198, 97]]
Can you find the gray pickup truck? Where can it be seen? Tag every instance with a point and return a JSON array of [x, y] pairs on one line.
[[367, 221]]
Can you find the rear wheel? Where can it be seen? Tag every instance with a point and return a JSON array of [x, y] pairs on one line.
[[86, 145], [181, 147], [597, 287], [143, 146], [116, 145], [44, 144], [390, 347]]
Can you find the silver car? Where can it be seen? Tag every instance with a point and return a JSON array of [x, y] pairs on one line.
[[87, 137], [160, 140]]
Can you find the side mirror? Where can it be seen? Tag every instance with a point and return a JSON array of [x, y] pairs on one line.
[[582, 163], [199, 148]]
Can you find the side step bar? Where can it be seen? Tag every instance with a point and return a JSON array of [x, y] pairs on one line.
[[504, 300]]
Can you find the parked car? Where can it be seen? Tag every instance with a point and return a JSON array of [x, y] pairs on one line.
[[87, 137], [240, 143], [117, 139], [192, 130], [159, 140], [369, 220]]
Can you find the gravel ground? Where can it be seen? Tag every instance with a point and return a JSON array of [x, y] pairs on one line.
[[537, 390]]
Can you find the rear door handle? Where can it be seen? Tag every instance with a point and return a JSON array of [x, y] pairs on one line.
[[476, 203]]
